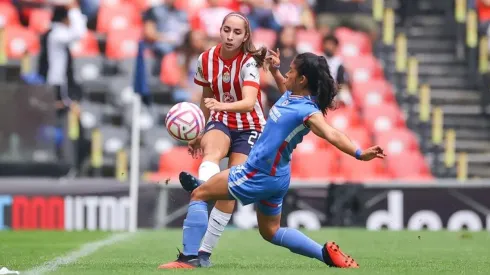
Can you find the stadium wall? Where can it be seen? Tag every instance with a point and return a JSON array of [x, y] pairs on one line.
[[103, 204]]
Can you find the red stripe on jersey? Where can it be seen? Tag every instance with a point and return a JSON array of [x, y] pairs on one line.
[[251, 83], [201, 83], [278, 158], [228, 67], [215, 80], [204, 65], [238, 91]]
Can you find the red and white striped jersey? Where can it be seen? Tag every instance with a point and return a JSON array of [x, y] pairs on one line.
[[227, 78]]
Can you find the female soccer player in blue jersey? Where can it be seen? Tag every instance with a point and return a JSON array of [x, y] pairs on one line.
[[309, 92]]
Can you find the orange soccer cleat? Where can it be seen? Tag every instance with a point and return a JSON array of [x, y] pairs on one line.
[[182, 262], [334, 257]]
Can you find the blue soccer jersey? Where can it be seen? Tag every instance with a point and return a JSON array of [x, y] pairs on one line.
[[284, 130]]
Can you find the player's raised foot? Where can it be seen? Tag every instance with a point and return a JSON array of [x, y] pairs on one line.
[[182, 262], [204, 259], [334, 257], [189, 182]]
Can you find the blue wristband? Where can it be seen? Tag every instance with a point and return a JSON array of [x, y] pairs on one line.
[[358, 154]]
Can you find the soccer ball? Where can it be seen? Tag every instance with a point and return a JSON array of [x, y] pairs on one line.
[[184, 121]]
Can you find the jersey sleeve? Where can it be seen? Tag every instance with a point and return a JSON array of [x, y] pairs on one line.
[[307, 111], [250, 73], [199, 76]]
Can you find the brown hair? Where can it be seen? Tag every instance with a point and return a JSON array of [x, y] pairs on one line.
[[248, 46]]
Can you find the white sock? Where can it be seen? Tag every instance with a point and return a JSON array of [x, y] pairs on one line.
[[207, 169], [217, 223]]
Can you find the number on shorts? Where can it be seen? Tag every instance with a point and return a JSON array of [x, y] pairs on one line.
[[253, 138]]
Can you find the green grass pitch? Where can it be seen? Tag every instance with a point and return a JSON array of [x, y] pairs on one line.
[[244, 252]]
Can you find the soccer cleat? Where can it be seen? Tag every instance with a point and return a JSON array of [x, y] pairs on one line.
[[182, 262], [204, 259], [189, 182], [334, 257]]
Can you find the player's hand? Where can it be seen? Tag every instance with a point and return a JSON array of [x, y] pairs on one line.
[[194, 147], [214, 105], [273, 59], [372, 153]]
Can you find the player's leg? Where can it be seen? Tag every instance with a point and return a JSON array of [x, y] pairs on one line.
[[219, 217], [269, 217], [196, 221], [215, 145]]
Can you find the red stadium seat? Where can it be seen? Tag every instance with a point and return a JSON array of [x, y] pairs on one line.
[[360, 136], [123, 44], [357, 171], [352, 43], [343, 118], [311, 143], [363, 68], [383, 118], [264, 37], [176, 160], [308, 41], [170, 74], [40, 20], [397, 141], [410, 165], [86, 47], [8, 14], [111, 3], [191, 6], [21, 40], [119, 17], [320, 164], [372, 93]]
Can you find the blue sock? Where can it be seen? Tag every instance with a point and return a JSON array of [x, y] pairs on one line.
[[298, 243], [195, 225]]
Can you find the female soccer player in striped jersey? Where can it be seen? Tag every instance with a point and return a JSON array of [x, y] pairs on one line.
[[231, 103]]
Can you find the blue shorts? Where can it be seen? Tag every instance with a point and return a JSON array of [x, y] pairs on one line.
[[240, 141], [248, 185]]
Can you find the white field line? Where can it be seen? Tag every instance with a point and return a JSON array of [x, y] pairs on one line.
[[74, 256]]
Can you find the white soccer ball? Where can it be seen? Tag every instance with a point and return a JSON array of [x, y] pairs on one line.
[[185, 121]]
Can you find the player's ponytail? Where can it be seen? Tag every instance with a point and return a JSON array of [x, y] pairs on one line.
[[320, 81], [248, 46]]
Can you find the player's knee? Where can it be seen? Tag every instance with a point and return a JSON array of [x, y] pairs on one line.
[[225, 206], [197, 194], [268, 232]]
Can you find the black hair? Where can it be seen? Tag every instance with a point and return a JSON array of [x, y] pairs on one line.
[[332, 38], [320, 82], [60, 13]]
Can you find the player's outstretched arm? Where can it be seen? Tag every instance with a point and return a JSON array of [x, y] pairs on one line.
[[274, 63], [321, 128]]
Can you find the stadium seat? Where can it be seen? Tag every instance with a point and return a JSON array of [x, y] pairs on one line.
[[176, 160], [158, 140], [410, 165], [122, 44], [110, 3], [352, 43], [372, 93], [143, 5], [363, 68], [114, 138], [311, 143], [88, 46], [343, 118], [8, 14], [88, 68], [192, 7], [40, 20], [397, 141], [359, 135], [318, 165], [91, 115], [353, 170], [21, 40], [383, 118], [169, 73], [119, 17], [308, 41], [264, 37]]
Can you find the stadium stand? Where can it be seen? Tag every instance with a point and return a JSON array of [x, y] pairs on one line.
[[385, 81]]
